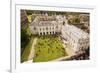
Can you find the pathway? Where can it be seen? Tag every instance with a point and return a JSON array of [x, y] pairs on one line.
[[31, 55]]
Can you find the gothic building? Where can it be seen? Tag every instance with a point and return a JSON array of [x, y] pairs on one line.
[[76, 38]]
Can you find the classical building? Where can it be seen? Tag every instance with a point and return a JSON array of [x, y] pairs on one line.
[[76, 38], [44, 24]]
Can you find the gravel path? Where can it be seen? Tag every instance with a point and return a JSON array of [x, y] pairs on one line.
[[31, 55]]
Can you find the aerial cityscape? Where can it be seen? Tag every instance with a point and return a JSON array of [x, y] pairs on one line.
[[48, 36]]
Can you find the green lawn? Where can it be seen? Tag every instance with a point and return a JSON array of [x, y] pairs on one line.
[[48, 48], [26, 52]]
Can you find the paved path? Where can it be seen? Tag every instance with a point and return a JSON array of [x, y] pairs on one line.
[[62, 58], [31, 55]]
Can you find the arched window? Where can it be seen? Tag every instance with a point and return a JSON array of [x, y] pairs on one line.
[[47, 32], [40, 33], [50, 32], [46, 28], [43, 33]]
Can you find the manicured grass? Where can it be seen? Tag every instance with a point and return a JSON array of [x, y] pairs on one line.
[[48, 48], [26, 51]]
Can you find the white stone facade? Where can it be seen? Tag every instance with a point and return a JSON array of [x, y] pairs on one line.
[[76, 38], [43, 25]]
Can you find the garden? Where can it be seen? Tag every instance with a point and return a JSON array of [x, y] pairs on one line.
[[48, 47]]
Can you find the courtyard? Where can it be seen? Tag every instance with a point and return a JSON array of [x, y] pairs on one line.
[[52, 37], [44, 48], [48, 47]]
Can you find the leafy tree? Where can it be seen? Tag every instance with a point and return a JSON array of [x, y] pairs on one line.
[[24, 39], [29, 12]]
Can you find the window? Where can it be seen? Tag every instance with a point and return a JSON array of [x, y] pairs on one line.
[[52, 27], [34, 28], [40, 33], [43, 28], [47, 32], [50, 32], [46, 28], [43, 33], [53, 32], [40, 29]]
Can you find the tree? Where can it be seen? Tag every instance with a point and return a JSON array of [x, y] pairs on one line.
[[24, 39], [29, 12]]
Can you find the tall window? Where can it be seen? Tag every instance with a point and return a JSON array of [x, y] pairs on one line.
[[43, 28], [46, 28], [52, 27], [34, 28], [40, 29]]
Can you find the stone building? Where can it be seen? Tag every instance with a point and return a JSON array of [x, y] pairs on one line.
[[76, 38], [44, 24]]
